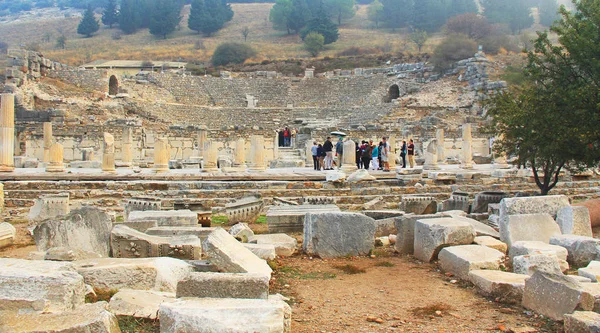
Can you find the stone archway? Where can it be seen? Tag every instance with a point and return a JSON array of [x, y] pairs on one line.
[[393, 93], [113, 86]]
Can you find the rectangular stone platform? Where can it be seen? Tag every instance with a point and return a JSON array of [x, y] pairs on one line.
[[291, 218]]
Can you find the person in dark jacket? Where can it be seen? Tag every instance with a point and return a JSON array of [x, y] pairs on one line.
[[328, 148], [403, 153], [320, 156], [366, 154]]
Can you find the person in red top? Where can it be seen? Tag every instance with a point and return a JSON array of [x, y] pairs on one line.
[[286, 137]]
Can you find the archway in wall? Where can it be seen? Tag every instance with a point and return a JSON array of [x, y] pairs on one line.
[[393, 93], [113, 86]]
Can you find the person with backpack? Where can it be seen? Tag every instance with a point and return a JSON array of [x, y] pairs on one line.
[[339, 152], [328, 149], [321, 156], [375, 156]]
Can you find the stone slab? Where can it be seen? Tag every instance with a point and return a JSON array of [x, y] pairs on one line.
[[582, 250], [548, 204], [405, 225], [419, 205], [263, 251], [545, 262], [231, 256], [574, 220], [592, 271], [535, 247], [383, 214], [285, 245], [241, 231], [491, 242], [582, 322], [130, 243], [331, 235], [66, 254], [140, 225], [138, 303], [480, 228], [527, 227], [505, 286], [170, 231], [385, 227], [184, 217], [460, 260], [224, 285], [291, 218], [431, 235]]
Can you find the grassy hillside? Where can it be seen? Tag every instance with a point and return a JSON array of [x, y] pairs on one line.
[[186, 45]]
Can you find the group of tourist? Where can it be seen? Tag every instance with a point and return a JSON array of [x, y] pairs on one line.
[[285, 136], [369, 156]]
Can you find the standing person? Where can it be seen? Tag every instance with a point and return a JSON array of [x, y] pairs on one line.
[[366, 154], [339, 152], [403, 153], [286, 137], [293, 132], [320, 156], [357, 154], [328, 148], [375, 157], [280, 138], [411, 153], [385, 155], [379, 156], [315, 155]]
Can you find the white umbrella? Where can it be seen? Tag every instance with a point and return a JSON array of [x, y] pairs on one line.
[[338, 133]]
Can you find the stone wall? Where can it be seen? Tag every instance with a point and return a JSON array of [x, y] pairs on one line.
[[88, 79]]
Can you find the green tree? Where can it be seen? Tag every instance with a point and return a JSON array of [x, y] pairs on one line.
[[428, 15], [469, 24], [397, 13], [232, 53], [548, 11], [314, 43], [88, 24], [61, 41], [164, 18], [340, 9], [129, 18], [110, 15], [457, 7], [209, 16], [515, 13], [289, 15], [321, 24], [419, 38], [245, 32], [375, 12], [553, 122]]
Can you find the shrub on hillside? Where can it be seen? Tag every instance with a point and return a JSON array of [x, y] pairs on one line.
[[493, 44], [232, 53], [470, 24], [452, 49]]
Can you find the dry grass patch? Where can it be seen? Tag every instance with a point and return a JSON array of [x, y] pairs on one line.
[[350, 269], [436, 309]]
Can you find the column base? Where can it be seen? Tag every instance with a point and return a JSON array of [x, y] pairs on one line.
[[55, 168], [7, 168], [431, 167], [209, 170], [113, 170]]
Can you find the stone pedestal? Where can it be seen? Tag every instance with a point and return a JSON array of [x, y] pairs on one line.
[[441, 154], [257, 153], [108, 154], [392, 156], [55, 164], [349, 157], [500, 160], [239, 158], [162, 154], [126, 148], [467, 153], [47, 141], [7, 133], [210, 157], [431, 158]]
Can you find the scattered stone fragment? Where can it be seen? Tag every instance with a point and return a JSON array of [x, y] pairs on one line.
[[66, 254], [431, 235], [574, 220], [545, 262], [460, 260], [231, 256], [7, 234], [480, 228], [593, 207], [241, 232], [491, 242], [49, 206], [224, 285], [528, 227], [138, 303], [418, 205], [505, 286], [291, 218], [130, 243], [331, 235], [385, 227], [405, 225], [582, 322], [184, 217], [170, 231], [263, 251], [285, 245], [535, 247], [361, 175], [581, 249], [592, 271], [244, 210], [382, 241]]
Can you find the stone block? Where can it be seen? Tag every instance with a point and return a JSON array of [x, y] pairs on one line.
[[159, 274], [245, 210], [545, 262], [224, 285], [527, 227], [49, 206], [331, 235], [142, 204], [574, 220], [39, 286], [385, 227], [405, 225], [581, 249], [140, 225], [582, 322], [85, 318], [505, 286], [361, 175], [418, 205], [285, 245], [484, 199], [241, 232], [592, 271], [554, 295], [548, 204], [458, 201], [481, 229], [86, 229], [130, 243], [291, 218], [218, 315], [591, 287], [460, 260], [491, 242], [431, 235], [7, 234], [263, 251], [139, 303], [197, 231], [525, 248], [184, 217], [383, 214], [66, 254], [231, 256], [593, 207]]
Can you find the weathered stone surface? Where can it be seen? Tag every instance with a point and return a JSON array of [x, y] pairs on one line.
[[291, 218], [224, 285], [201, 315], [582, 250], [405, 225], [483, 199], [49, 206], [263, 251], [527, 227], [285, 245], [361, 175], [574, 220], [548, 204], [505, 286], [36, 286], [431, 235], [139, 303], [593, 207], [83, 319], [383, 214], [244, 210], [591, 287], [130, 243], [535, 247], [231, 256], [480, 228], [159, 274], [460, 260], [545, 262], [385, 227], [582, 322], [335, 176], [418, 205], [491, 242], [554, 295], [373, 204], [241, 232], [7, 234], [66, 254], [592, 271], [458, 201], [171, 231], [86, 229], [331, 235], [140, 225], [184, 217]]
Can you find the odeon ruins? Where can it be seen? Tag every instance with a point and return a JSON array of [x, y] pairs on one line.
[[118, 178]]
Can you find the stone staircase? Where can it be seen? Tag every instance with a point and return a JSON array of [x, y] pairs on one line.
[[288, 158]]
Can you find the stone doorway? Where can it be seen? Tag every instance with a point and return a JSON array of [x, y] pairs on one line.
[[393, 93], [113, 86]]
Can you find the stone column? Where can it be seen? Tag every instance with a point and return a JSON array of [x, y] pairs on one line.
[[162, 154], [467, 154], [257, 153], [392, 157], [47, 141], [276, 146], [55, 164], [239, 158], [7, 133], [126, 147], [349, 157], [431, 159], [500, 159], [108, 154], [202, 138], [441, 154], [210, 157], [1, 197]]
